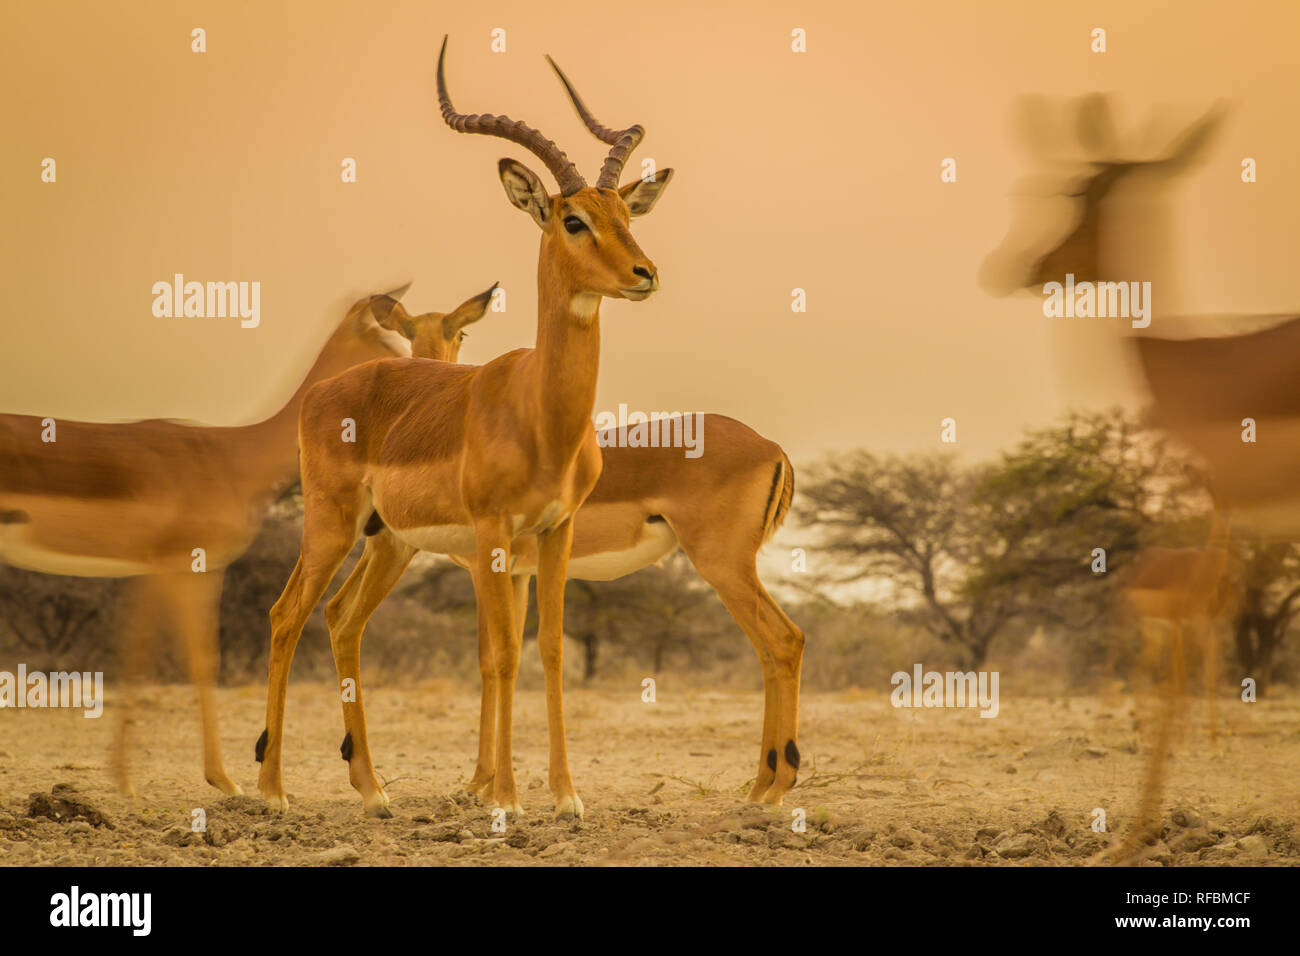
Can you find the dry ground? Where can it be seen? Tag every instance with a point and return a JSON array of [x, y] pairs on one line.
[[663, 784]]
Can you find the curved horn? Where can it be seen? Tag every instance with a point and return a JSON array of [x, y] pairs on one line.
[[565, 173], [622, 141]]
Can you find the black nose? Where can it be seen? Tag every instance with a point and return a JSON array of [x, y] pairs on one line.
[[643, 272]]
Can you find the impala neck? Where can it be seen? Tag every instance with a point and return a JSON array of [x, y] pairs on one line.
[[568, 360], [271, 446], [1140, 242]]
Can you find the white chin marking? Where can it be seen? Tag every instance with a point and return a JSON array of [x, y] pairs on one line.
[[584, 304]]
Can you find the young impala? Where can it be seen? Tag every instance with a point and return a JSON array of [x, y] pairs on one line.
[[720, 508], [469, 459]]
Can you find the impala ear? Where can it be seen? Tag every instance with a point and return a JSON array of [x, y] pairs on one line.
[[1096, 129], [388, 312], [641, 195], [469, 311], [525, 190], [1193, 143]]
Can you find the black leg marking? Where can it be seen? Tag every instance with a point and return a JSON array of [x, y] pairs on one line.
[[346, 749], [771, 760], [792, 754], [260, 750], [374, 524]]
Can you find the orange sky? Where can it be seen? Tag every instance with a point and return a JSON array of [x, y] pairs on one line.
[[816, 170]]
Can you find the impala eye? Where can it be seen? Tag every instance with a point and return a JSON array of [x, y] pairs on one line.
[[574, 225]]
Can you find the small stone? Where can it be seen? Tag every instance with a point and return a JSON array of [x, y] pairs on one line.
[[1016, 847], [555, 849], [1160, 852], [1009, 768], [1193, 840], [342, 855], [1187, 817], [179, 836], [220, 834], [251, 806], [1253, 846], [79, 826], [446, 833], [518, 840], [59, 804]]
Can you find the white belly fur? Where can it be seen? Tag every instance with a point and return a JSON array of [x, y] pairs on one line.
[[16, 552], [658, 541], [439, 538]]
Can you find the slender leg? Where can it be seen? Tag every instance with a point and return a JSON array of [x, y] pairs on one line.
[[1211, 646], [496, 617], [194, 600], [481, 783], [385, 559], [1170, 691], [328, 534], [552, 566], [778, 642], [137, 636]]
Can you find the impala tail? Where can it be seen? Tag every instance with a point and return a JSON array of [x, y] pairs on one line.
[[778, 504]]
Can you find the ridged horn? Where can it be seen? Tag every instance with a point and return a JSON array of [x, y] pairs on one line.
[[517, 131]]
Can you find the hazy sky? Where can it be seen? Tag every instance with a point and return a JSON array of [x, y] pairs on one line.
[[817, 170]]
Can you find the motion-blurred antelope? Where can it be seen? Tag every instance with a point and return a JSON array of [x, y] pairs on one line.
[[1177, 596], [134, 500], [469, 459], [720, 509], [1202, 390]]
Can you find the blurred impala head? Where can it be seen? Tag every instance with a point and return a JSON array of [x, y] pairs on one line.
[[1095, 186]]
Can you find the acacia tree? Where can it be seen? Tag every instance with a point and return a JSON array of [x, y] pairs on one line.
[[965, 550], [1074, 502], [910, 523], [1268, 600]]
